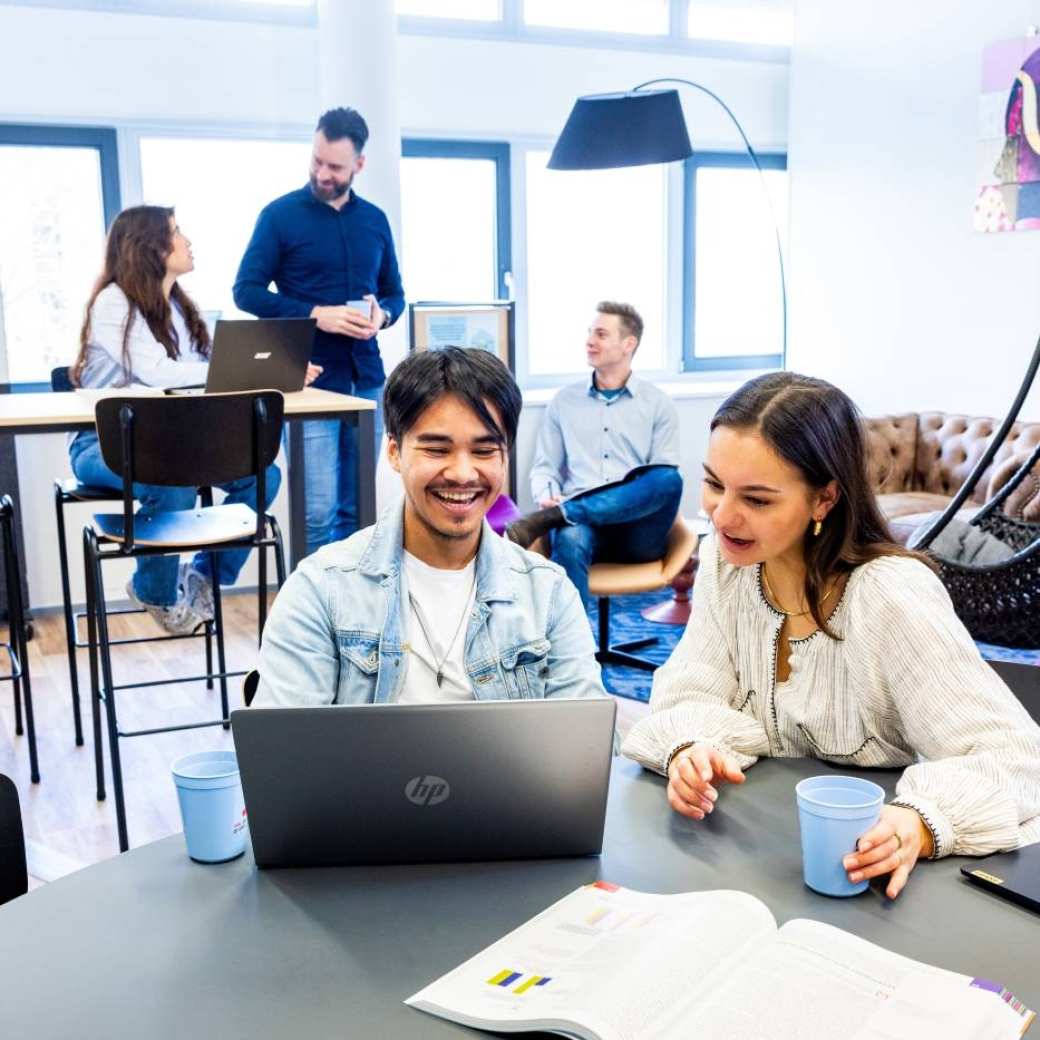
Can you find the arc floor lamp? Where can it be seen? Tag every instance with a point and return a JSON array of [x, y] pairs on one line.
[[641, 127]]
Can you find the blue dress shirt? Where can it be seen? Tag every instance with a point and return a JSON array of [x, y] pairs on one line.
[[586, 441], [317, 255]]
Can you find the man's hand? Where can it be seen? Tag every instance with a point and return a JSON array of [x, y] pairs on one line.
[[691, 773], [892, 846], [548, 502], [313, 371], [344, 321], [378, 315]]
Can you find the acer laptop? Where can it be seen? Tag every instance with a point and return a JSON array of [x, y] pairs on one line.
[[257, 354], [415, 783]]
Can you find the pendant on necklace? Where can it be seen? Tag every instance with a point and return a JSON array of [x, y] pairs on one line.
[[440, 678]]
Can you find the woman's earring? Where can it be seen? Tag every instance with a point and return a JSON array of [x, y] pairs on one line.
[[817, 528]]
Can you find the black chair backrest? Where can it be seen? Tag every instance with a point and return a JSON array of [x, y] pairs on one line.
[[191, 440], [14, 880], [60, 381]]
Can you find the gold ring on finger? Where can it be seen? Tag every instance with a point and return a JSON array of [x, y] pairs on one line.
[[899, 842]]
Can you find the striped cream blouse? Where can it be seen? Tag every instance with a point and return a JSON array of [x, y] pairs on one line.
[[905, 686]]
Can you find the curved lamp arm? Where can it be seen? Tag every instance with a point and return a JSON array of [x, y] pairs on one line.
[[757, 165]]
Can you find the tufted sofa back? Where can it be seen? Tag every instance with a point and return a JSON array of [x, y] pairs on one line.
[[935, 452]]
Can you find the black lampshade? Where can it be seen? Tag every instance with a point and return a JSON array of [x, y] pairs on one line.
[[637, 128]]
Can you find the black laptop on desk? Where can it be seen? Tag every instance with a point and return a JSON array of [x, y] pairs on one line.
[[260, 354], [1013, 875], [403, 783]]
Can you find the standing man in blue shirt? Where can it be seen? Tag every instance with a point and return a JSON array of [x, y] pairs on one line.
[[606, 467], [323, 246]]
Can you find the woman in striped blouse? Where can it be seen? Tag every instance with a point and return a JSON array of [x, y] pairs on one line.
[[813, 634]]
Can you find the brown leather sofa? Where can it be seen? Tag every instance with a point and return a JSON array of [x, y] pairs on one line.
[[918, 461]]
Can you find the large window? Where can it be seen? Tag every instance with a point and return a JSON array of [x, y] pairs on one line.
[[592, 235], [218, 187], [640, 17], [734, 309], [61, 188], [455, 220]]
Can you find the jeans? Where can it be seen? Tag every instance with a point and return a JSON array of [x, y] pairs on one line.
[[330, 472], [155, 581], [624, 523]]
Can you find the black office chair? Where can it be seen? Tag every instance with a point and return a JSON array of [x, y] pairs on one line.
[[17, 649], [68, 491], [14, 878], [186, 441]]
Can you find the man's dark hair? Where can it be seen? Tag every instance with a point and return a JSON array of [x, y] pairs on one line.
[[476, 376], [628, 317], [338, 123]]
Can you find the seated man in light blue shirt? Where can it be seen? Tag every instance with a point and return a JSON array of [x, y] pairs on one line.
[[429, 605], [614, 430]]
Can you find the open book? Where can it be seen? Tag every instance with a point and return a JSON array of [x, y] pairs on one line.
[[607, 963]]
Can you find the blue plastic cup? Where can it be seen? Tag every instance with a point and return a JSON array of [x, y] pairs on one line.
[[833, 811], [212, 807]]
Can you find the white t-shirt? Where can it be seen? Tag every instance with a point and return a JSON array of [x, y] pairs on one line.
[[444, 601]]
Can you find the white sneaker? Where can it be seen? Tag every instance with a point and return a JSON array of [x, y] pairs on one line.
[[198, 593], [178, 620]]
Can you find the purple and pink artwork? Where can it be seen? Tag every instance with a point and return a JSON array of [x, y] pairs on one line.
[[1008, 195]]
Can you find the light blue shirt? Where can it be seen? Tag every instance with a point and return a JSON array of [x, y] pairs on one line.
[[586, 441], [335, 633]]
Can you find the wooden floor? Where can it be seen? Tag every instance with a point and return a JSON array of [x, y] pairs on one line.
[[65, 826]]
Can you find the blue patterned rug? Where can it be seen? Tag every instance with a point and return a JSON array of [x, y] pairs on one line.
[[627, 624]]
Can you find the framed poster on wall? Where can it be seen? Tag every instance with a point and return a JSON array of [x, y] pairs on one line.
[[435, 324]]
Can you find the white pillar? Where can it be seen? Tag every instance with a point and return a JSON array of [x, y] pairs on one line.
[[357, 56]]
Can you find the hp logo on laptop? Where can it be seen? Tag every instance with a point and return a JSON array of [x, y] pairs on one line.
[[427, 790]]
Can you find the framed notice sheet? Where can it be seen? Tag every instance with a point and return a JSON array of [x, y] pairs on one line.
[[433, 325], [490, 326]]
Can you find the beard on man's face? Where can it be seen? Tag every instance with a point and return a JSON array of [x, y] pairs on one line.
[[336, 191]]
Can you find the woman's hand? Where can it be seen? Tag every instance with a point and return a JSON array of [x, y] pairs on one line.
[[892, 846], [693, 778], [313, 371]]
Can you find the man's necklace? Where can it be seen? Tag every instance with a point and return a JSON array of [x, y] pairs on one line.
[[776, 602], [426, 632]]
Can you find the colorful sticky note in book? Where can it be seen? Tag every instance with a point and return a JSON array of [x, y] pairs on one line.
[[1009, 998]]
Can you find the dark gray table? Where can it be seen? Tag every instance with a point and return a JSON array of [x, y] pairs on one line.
[[151, 944]]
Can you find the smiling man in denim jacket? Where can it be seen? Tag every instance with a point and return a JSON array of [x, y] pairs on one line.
[[429, 605]]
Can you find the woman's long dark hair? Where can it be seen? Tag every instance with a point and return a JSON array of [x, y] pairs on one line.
[[814, 427], [139, 242]]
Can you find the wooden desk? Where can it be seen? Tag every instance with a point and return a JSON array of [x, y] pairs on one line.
[[64, 413]]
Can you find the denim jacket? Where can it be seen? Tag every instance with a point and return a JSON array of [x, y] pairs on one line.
[[335, 633]]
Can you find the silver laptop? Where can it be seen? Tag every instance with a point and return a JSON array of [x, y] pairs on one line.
[[260, 354], [397, 783]]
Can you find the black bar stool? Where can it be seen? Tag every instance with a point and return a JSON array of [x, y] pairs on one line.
[[14, 879], [67, 491], [210, 439], [17, 649]]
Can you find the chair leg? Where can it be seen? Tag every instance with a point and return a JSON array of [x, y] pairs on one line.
[[209, 655], [108, 686], [70, 621], [218, 621], [89, 545], [16, 619], [279, 551], [261, 592], [620, 653]]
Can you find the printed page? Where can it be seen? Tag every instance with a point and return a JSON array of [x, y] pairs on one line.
[[603, 963], [816, 982]]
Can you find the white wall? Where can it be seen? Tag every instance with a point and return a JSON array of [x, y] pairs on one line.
[[78, 66], [893, 295]]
